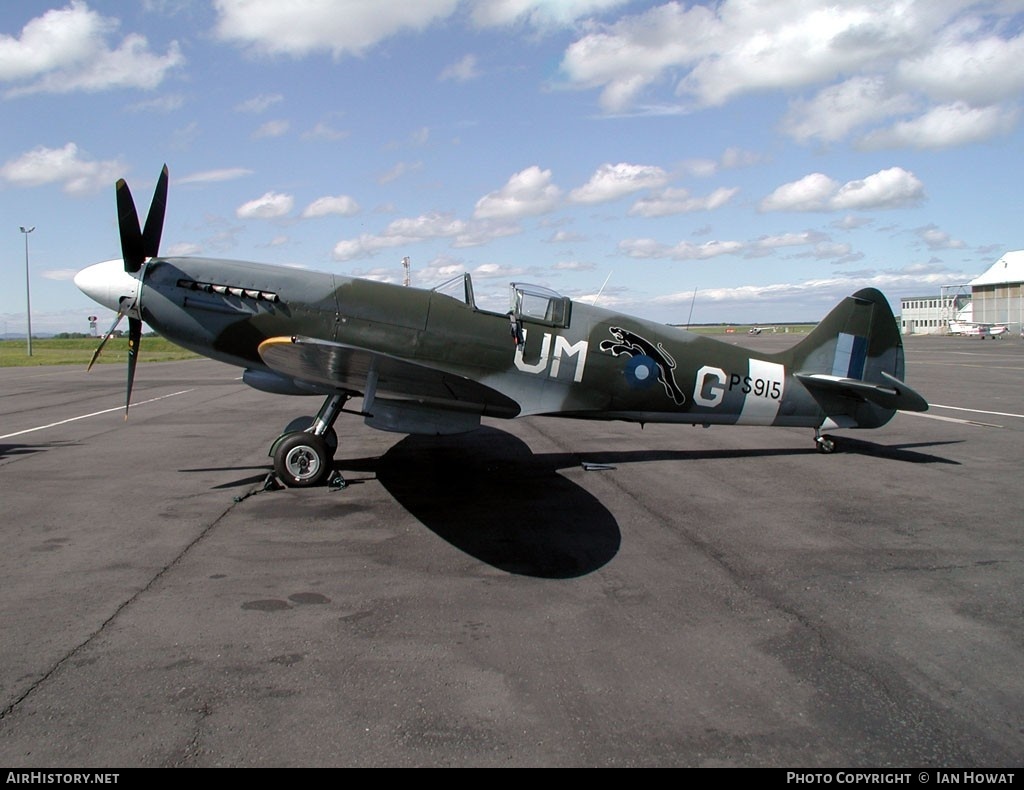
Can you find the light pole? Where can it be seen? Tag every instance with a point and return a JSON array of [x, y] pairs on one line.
[[28, 293]]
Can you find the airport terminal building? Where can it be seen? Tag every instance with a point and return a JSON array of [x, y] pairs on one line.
[[994, 297], [930, 315]]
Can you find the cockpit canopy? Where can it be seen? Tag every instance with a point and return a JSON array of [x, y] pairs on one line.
[[540, 305], [533, 303]]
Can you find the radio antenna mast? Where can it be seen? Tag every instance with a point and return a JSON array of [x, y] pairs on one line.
[[689, 318], [606, 279]]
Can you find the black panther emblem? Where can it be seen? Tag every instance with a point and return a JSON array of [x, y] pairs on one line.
[[632, 345]]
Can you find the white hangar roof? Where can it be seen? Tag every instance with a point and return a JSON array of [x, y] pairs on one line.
[[1008, 269]]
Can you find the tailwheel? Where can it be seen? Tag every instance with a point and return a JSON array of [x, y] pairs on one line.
[[302, 459], [825, 443]]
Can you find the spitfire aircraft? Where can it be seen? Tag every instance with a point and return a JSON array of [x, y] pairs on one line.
[[433, 362]]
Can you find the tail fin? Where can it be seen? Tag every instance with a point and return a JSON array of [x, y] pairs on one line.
[[852, 364]]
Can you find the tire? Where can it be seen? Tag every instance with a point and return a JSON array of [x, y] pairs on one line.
[[302, 460], [302, 423]]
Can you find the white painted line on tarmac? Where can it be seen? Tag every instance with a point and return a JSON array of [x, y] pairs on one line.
[[93, 414], [977, 411], [950, 419]]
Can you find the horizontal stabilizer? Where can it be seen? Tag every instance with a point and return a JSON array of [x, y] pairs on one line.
[[894, 395]]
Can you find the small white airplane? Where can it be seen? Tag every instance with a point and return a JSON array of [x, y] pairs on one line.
[[972, 329]]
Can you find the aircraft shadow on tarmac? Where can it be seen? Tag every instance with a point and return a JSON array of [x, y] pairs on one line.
[[897, 452], [490, 496], [28, 449]]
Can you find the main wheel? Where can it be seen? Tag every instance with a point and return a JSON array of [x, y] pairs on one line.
[[302, 423], [302, 460]]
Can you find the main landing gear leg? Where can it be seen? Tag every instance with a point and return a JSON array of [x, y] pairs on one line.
[[304, 458], [824, 442]]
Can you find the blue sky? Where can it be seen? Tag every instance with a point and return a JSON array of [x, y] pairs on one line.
[[775, 155]]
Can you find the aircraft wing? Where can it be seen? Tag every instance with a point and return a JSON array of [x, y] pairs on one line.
[[355, 369], [895, 395]]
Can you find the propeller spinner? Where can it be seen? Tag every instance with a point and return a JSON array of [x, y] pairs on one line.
[[120, 290]]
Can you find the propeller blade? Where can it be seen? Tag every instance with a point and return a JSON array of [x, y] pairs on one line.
[[106, 337], [134, 340], [155, 219], [132, 246], [136, 246]]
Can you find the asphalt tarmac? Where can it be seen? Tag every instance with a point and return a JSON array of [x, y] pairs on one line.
[[718, 597]]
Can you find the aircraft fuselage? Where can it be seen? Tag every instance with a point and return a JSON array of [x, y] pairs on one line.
[[588, 363]]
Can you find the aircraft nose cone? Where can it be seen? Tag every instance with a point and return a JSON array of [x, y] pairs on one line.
[[108, 283]]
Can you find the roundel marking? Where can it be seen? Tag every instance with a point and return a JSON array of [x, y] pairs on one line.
[[641, 371]]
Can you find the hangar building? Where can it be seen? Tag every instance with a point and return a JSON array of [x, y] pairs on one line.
[[997, 294], [994, 297]]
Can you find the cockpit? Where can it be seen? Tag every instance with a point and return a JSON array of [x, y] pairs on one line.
[[532, 303]]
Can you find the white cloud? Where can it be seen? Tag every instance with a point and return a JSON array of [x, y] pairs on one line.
[[679, 201], [78, 174], [573, 266], [852, 222], [527, 193], [301, 27], [59, 274], [438, 270], [271, 205], [733, 158], [611, 182], [810, 193], [823, 291], [937, 239], [402, 232], [834, 250], [161, 104], [399, 170], [684, 251], [215, 176], [420, 137], [540, 13], [793, 43], [67, 50], [700, 168], [960, 67], [628, 56], [737, 46], [478, 234], [425, 227], [182, 248], [868, 61], [341, 205], [259, 104], [462, 70], [492, 271], [566, 237], [838, 109], [324, 131], [891, 188], [789, 240], [944, 127], [270, 129]]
